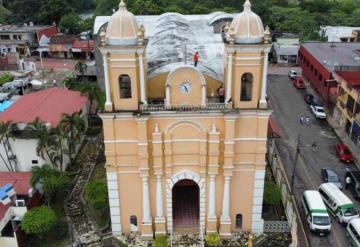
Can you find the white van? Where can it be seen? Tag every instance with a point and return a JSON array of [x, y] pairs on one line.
[[353, 232], [316, 213], [340, 206]]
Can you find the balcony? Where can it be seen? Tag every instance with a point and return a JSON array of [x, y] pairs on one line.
[[207, 107]]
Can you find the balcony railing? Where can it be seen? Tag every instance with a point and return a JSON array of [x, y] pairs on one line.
[[207, 107]]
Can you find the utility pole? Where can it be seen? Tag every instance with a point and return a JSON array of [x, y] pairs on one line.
[[295, 163]]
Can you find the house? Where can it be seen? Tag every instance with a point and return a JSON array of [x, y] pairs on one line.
[[60, 45], [319, 62], [19, 153], [341, 33], [285, 49], [83, 49], [179, 155], [25, 39], [12, 213], [347, 111]]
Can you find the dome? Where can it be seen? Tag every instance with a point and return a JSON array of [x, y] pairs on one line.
[[247, 27], [122, 28]]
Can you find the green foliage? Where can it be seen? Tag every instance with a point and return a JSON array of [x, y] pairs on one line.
[[212, 239], [161, 241], [71, 23], [5, 14], [272, 193], [6, 77], [51, 180], [39, 220], [96, 195]]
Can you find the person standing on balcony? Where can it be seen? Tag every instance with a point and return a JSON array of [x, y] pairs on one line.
[[221, 92], [196, 58]]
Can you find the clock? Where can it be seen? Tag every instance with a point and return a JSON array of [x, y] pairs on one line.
[[185, 87]]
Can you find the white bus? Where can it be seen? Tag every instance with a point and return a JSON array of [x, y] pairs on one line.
[[353, 232], [339, 205], [316, 213]]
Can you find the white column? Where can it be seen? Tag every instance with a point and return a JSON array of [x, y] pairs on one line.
[[114, 202], [167, 92], [146, 202], [203, 95], [264, 80], [212, 194], [107, 83], [229, 78], [225, 217], [159, 200], [142, 79]]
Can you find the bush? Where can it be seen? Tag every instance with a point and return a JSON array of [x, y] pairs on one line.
[[96, 195], [39, 220], [272, 194], [6, 78], [161, 241], [212, 239]]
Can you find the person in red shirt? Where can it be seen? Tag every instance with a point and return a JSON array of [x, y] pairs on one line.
[[196, 58]]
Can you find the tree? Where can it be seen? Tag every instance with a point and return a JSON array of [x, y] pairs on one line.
[[71, 23], [96, 195], [81, 68], [39, 220], [92, 92], [75, 126], [272, 193], [5, 14], [42, 133], [6, 132], [51, 180]]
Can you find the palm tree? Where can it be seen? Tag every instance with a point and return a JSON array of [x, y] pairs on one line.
[[92, 92], [56, 145], [42, 133], [50, 179], [81, 68], [75, 126], [6, 132]]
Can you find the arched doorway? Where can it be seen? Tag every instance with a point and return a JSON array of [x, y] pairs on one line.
[[185, 204]]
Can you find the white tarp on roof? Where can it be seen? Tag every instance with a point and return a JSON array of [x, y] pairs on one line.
[[171, 34], [334, 34]]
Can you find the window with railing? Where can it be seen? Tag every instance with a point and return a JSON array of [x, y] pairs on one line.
[[125, 86], [246, 87]]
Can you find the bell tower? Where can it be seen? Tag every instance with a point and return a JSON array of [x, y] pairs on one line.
[[246, 61], [123, 48]]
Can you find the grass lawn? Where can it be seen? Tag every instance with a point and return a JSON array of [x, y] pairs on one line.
[[99, 174]]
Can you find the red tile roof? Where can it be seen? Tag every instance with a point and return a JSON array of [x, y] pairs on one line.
[[19, 180], [48, 105], [48, 32], [3, 210], [84, 45]]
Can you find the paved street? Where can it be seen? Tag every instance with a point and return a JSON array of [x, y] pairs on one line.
[[289, 105]]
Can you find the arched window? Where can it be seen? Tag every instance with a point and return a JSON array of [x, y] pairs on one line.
[[238, 221], [133, 223], [125, 87], [246, 87]]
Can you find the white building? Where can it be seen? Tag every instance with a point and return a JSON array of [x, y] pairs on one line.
[[340, 33], [20, 153]]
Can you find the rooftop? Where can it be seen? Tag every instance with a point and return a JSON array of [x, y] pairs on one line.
[[48, 105], [19, 180], [22, 29], [334, 34], [171, 34], [332, 54]]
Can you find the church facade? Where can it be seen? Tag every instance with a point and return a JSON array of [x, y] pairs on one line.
[[180, 154]]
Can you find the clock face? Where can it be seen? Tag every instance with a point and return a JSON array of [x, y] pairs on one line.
[[185, 87]]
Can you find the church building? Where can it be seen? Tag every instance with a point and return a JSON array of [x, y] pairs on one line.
[[185, 145]]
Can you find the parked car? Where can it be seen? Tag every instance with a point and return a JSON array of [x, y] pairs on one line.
[[299, 82], [292, 74], [318, 111], [343, 152], [330, 176], [308, 98], [317, 101], [354, 185]]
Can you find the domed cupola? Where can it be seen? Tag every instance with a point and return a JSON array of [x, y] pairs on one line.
[[247, 27], [122, 28]]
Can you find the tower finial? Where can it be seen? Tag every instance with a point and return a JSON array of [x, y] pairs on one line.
[[247, 5], [122, 4]]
